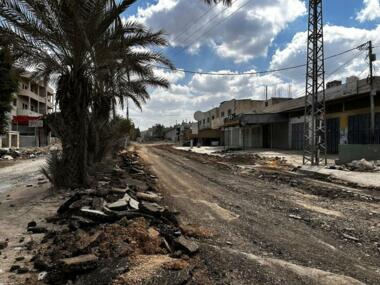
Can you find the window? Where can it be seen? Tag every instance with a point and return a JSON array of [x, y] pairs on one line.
[[222, 114], [229, 112], [204, 121], [24, 106], [33, 108], [208, 120], [25, 86], [213, 118], [15, 102]]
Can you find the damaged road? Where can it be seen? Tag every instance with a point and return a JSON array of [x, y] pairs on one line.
[[269, 227]]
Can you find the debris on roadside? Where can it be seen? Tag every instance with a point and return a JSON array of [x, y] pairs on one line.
[[116, 220], [24, 153], [362, 165]]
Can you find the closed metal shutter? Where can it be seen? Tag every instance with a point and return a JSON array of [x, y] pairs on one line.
[[297, 136], [333, 135], [359, 129]]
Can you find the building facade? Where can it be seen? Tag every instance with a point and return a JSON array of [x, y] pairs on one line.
[[279, 122], [33, 101]]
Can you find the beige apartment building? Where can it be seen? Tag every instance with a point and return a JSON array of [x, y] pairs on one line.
[[31, 103]]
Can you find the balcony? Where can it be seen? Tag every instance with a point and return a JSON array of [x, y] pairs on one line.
[[29, 113], [34, 96]]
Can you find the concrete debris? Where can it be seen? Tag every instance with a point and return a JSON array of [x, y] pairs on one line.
[[79, 263], [187, 245], [7, 157], [152, 208], [149, 196], [361, 165], [107, 223], [27, 153], [119, 205], [134, 204]]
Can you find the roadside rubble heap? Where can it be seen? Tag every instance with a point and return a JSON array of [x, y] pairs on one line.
[[97, 231], [27, 153], [363, 165]]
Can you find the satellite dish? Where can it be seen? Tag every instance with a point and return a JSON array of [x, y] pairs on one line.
[[198, 116]]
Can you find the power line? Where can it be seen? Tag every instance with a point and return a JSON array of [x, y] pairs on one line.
[[191, 23], [212, 27], [345, 63], [255, 72]]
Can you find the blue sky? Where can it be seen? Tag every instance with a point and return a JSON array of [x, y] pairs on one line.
[[261, 35]]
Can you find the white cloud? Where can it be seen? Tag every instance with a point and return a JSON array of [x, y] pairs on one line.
[[240, 34], [337, 39], [370, 11], [204, 92]]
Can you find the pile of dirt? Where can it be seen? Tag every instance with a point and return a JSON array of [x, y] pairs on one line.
[[99, 233]]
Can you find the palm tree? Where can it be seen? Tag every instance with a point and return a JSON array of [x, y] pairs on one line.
[[94, 56]]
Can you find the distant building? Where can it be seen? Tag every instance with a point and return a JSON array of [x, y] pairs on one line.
[[32, 102], [279, 122]]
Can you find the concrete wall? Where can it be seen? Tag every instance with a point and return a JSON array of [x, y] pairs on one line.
[[350, 152]]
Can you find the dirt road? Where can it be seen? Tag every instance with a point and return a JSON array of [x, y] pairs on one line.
[[268, 229], [16, 173], [24, 197]]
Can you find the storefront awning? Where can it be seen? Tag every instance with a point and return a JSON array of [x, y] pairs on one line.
[[24, 120]]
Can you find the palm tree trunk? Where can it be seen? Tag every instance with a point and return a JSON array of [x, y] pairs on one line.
[[74, 104]]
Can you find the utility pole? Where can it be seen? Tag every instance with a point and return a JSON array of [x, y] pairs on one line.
[[266, 95], [372, 58], [315, 107]]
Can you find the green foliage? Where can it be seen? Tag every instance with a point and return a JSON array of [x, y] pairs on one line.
[[158, 131], [99, 61], [55, 171], [8, 86]]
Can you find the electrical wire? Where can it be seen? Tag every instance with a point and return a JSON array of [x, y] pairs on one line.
[[191, 23], [251, 73], [211, 28]]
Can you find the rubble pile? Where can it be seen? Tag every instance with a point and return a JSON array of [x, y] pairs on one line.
[[362, 165], [25, 153], [98, 232]]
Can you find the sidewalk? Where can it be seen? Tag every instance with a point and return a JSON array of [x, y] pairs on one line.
[[364, 179]]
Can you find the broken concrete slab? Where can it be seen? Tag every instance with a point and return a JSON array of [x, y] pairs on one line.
[[79, 263], [121, 204], [187, 245], [148, 196], [134, 204], [95, 215], [152, 208]]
